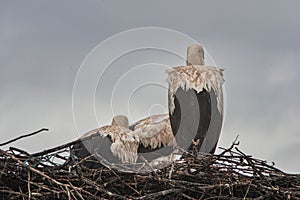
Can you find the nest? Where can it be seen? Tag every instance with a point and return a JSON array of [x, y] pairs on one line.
[[54, 174]]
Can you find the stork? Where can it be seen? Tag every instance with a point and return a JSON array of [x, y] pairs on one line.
[[195, 101], [123, 143]]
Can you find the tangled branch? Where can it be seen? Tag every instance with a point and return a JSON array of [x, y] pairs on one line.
[[232, 174]]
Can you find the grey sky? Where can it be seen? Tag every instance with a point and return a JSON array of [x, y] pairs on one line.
[[43, 43]]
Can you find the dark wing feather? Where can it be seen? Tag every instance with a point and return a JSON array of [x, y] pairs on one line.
[[114, 144], [214, 130], [191, 117], [196, 105], [90, 146]]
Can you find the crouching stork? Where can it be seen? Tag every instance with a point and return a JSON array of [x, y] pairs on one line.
[[148, 139], [196, 102]]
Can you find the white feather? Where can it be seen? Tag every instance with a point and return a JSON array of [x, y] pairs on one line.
[[197, 77]]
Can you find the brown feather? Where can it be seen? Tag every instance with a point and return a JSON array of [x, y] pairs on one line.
[[197, 77], [124, 142], [154, 131]]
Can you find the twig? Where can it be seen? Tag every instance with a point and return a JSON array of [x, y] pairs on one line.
[[161, 193], [23, 136], [55, 148], [247, 191], [12, 149], [40, 173], [234, 143], [231, 175], [61, 146], [28, 185]]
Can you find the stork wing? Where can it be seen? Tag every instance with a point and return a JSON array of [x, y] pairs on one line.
[[112, 141], [154, 131], [125, 143], [196, 105]]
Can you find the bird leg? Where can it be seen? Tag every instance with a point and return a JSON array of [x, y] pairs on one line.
[[195, 147]]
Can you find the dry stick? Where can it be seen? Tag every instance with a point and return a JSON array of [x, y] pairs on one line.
[[81, 197], [12, 192], [23, 136], [248, 159], [234, 143], [225, 161], [247, 191], [101, 188], [61, 146], [13, 149], [28, 185], [45, 187], [55, 148], [68, 192], [157, 194], [40, 173], [187, 196], [125, 183], [272, 167]]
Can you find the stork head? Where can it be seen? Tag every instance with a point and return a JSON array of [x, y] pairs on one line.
[[195, 55], [120, 120]]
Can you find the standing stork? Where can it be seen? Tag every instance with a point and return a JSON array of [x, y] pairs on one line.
[[196, 102]]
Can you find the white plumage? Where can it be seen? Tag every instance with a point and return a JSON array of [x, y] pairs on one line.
[[154, 132], [195, 101], [197, 77], [157, 131]]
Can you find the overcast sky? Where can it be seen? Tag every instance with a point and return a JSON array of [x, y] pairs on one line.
[[44, 43]]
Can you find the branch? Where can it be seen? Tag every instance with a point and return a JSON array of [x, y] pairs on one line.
[[234, 143], [23, 136], [56, 148], [62, 146]]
